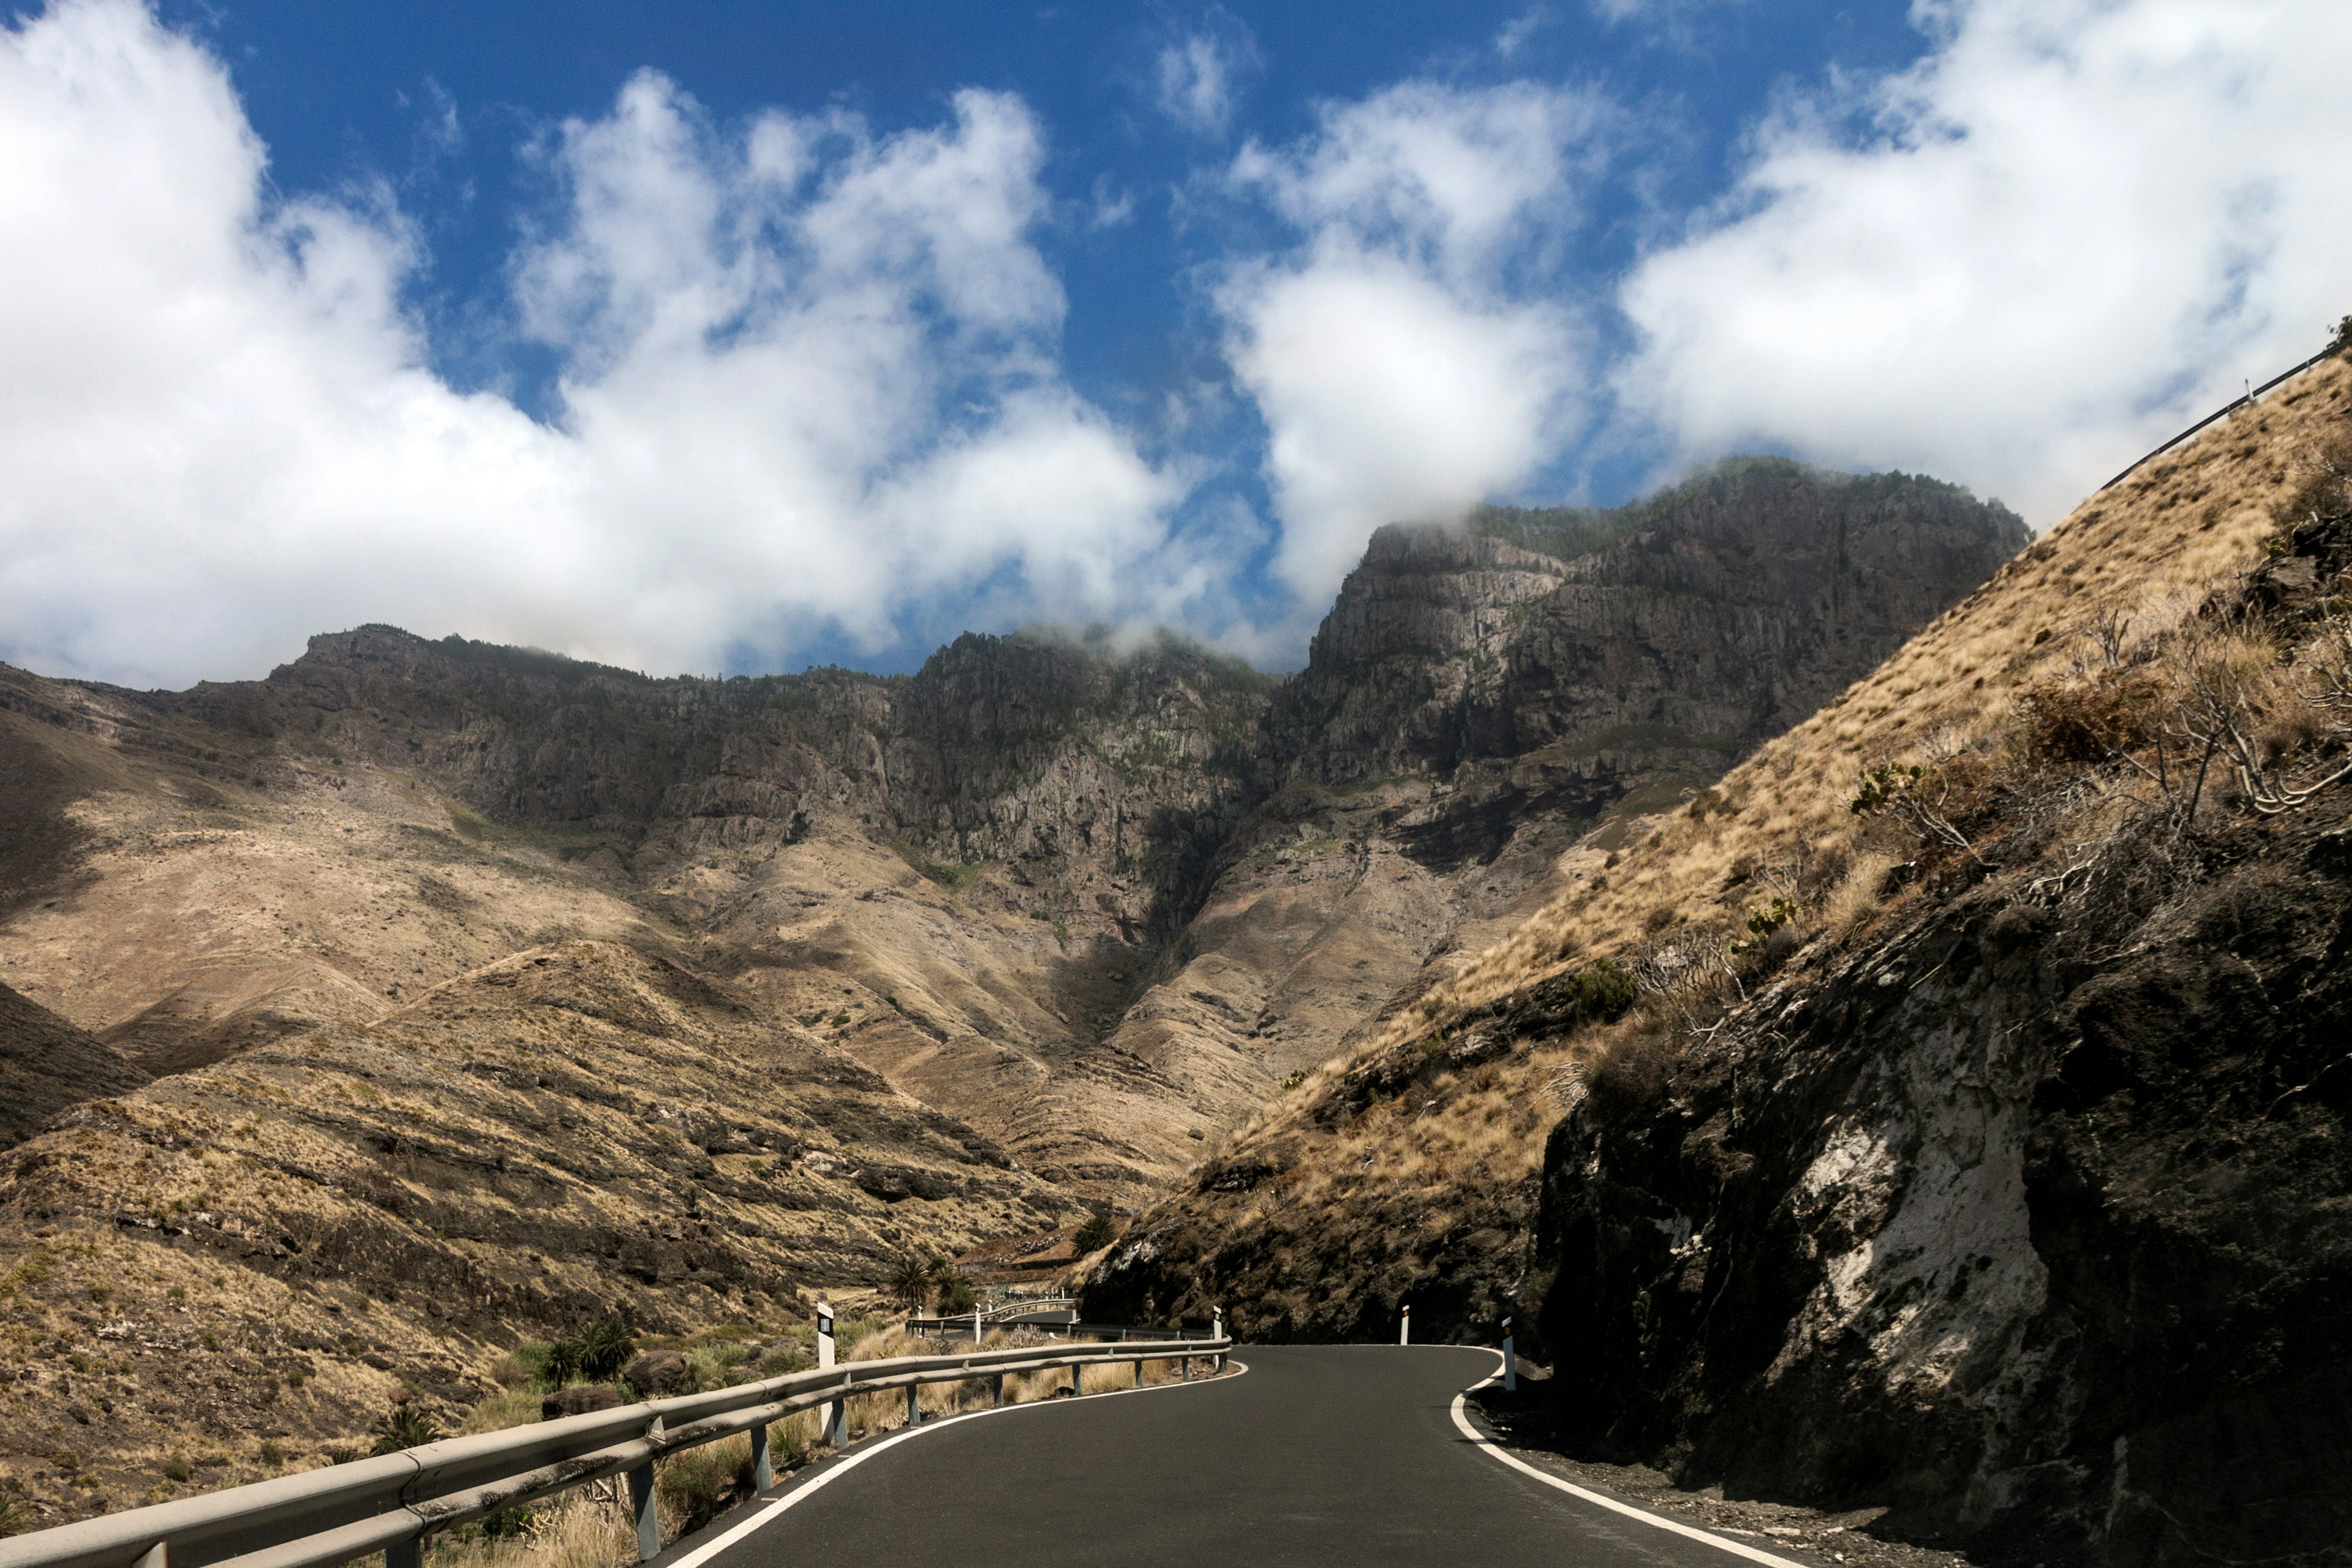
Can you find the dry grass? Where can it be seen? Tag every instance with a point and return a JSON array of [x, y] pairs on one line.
[[2147, 553], [2096, 624]]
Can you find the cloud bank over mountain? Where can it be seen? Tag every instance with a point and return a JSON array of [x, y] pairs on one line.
[[812, 376]]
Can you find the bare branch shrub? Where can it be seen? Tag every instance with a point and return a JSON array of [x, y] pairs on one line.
[[2280, 730]]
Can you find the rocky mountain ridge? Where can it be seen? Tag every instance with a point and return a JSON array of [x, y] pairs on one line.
[[857, 965], [1942, 1115]]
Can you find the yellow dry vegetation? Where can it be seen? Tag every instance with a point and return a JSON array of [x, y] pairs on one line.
[[2148, 550], [1457, 1150]]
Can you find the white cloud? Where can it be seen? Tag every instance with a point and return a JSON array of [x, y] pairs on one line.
[[1196, 77], [1402, 362], [2072, 228], [1673, 20], [1513, 36], [810, 375]]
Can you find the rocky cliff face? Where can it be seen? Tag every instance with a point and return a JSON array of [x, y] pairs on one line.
[[1481, 700], [2024, 1221]]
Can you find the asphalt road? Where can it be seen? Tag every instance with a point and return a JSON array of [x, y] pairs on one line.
[[1338, 1454]]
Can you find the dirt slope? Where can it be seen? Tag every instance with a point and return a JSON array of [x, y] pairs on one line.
[[47, 1065]]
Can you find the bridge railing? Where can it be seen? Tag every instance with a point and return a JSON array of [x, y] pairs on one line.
[[390, 1503]]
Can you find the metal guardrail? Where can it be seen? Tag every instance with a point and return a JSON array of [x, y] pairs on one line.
[[958, 1328], [390, 1503], [2224, 412]]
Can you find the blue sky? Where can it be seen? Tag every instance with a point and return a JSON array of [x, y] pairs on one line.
[[709, 336]]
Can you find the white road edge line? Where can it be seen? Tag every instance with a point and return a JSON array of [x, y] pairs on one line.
[[774, 1508], [1491, 1447]]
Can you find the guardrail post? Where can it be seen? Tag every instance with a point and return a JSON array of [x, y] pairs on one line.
[[1510, 1361], [156, 1556], [1188, 1369], [914, 1409], [1139, 1369], [399, 1554], [996, 1392], [1077, 1372], [648, 1511], [764, 1475]]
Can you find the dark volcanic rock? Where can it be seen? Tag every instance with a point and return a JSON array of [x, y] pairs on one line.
[[578, 1400], [1678, 633], [2037, 1229], [657, 1372]]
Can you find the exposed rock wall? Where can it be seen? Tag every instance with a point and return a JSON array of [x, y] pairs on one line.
[[2033, 1220]]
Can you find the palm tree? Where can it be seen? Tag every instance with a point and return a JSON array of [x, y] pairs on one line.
[[910, 1284]]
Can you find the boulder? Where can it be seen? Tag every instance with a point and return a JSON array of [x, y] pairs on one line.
[[657, 1372], [578, 1400]]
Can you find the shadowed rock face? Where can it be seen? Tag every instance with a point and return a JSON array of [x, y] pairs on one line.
[[47, 1064], [1686, 629], [2028, 1224]]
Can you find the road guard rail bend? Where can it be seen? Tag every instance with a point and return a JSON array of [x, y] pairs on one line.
[[960, 1328], [392, 1502]]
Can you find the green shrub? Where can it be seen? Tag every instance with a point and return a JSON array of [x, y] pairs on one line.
[[783, 1359], [1098, 1232], [176, 1466], [715, 1366], [271, 1454], [1600, 993], [602, 1349], [13, 1517], [404, 1427]]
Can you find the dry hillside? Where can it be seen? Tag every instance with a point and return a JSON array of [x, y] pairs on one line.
[[425, 998], [1943, 1107], [263, 1250]]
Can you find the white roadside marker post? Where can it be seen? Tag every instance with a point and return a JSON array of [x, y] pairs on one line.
[[975, 1326], [833, 1417], [1217, 1331], [1510, 1361], [1404, 1326]]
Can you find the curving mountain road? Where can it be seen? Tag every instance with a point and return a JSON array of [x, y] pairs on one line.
[[1338, 1454]]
